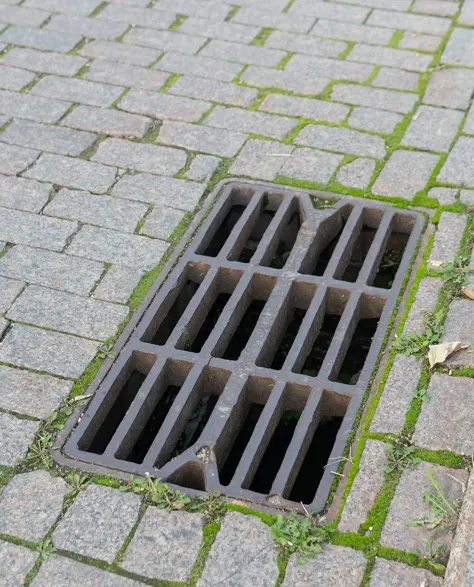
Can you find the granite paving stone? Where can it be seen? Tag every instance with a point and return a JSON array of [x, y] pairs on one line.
[[31, 503], [167, 191], [417, 23], [161, 222], [107, 121], [50, 269], [67, 312], [356, 14], [200, 66], [342, 140], [125, 75], [30, 393], [467, 14], [48, 138], [15, 437], [460, 47], [246, 565], [324, 67], [262, 159], [217, 91], [203, 167], [458, 169], [221, 142], [44, 62], [311, 164], [155, 19], [408, 504], [243, 53], [447, 238], [426, 299], [309, 108], [78, 7], [336, 565], [420, 41], [14, 160], [164, 40], [212, 9], [374, 97], [32, 107], [444, 420], [90, 27], [164, 106], [73, 173], [365, 489], [433, 128], [10, 289], [166, 545], [392, 57], [120, 52], [44, 350], [439, 7], [303, 82], [459, 327], [4, 324], [467, 197], [24, 16], [250, 122], [290, 21], [405, 173], [227, 31], [469, 122], [357, 173], [396, 78], [23, 194], [13, 79], [401, 385], [110, 246], [77, 90], [40, 38], [15, 563], [445, 196], [118, 284], [395, 574], [352, 32], [97, 523], [102, 210], [374, 120], [309, 45]]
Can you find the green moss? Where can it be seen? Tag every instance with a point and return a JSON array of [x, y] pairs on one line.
[[180, 18], [262, 36], [98, 9], [266, 518], [173, 78], [209, 535], [396, 38]]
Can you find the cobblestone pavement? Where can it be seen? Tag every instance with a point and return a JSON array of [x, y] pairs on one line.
[[116, 120]]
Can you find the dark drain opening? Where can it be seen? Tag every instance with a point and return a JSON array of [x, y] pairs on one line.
[[359, 253], [196, 423], [266, 215], [391, 259], [244, 330], [177, 310], [209, 323], [286, 242], [291, 333], [224, 230]]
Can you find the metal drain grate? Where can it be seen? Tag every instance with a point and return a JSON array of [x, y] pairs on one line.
[[247, 369]]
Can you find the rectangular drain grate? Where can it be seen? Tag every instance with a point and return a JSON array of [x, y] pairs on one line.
[[248, 366]]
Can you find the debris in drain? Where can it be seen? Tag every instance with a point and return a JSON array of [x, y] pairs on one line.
[[247, 369]]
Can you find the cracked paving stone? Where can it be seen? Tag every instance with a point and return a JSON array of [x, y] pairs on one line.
[[14, 159], [357, 173], [375, 120], [425, 301], [337, 566], [448, 237], [244, 565], [408, 504], [458, 169], [397, 395], [30, 393], [459, 326], [166, 545], [31, 503], [9, 290], [444, 420], [15, 437], [97, 523], [161, 222], [460, 48], [311, 164], [433, 128], [43, 350], [262, 159], [23, 194], [106, 121], [445, 196], [59, 310], [342, 140], [365, 489], [118, 284], [395, 574], [15, 563]]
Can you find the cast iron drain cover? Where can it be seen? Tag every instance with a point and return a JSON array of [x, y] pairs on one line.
[[247, 369]]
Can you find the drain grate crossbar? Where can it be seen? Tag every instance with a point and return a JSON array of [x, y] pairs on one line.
[[247, 369]]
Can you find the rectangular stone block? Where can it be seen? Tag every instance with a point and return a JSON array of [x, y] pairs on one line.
[[161, 222], [10, 289], [342, 140], [389, 56], [15, 437], [309, 108], [425, 301], [460, 47], [420, 41], [203, 167], [250, 122], [196, 87], [212, 9], [107, 121], [261, 159], [302, 82], [410, 22], [77, 90], [14, 79], [374, 98], [307, 44], [137, 16], [291, 21], [352, 32], [357, 173], [329, 68], [78, 7], [14, 160], [458, 169], [86, 27], [451, 87], [311, 165], [438, 7], [433, 128], [73, 173], [120, 52], [199, 66], [243, 53], [356, 14], [44, 350], [118, 284], [142, 157], [397, 78], [23, 194], [405, 174], [126, 75], [375, 120], [32, 107], [227, 31], [159, 105], [385, 571], [164, 40], [23, 16], [448, 237], [44, 62], [40, 39]]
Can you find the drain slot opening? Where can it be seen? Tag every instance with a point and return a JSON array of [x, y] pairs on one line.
[[359, 253], [286, 242], [244, 330], [266, 215], [391, 259]]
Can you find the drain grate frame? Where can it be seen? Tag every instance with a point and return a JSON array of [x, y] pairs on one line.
[[249, 263]]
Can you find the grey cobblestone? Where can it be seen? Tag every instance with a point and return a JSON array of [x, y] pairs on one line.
[[13, 79], [397, 395], [231, 94], [425, 301], [15, 437], [342, 140], [77, 7], [200, 138], [329, 68], [410, 22], [161, 222], [164, 40], [102, 244], [118, 284], [305, 44], [467, 15], [420, 41], [32, 107], [203, 167], [357, 173], [142, 157], [405, 173], [228, 31], [433, 128], [3, 325], [352, 32], [391, 57], [44, 350], [451, 87], [303, 82], [168, 191], [309, 108], [164, 106], [356, 14], [469, 123], [396, 574], [154, 19], [47, 138], [44, 62], [262, 159], [97, 523], [30, 504], [458, 327], [166, 545], [120, 52], [23, 16], [374, 98], [374, 120], [460, 47], [77, 90], [199, 66], [296, 23], [73, 173], [396, 78], [212, 9], [31, 394], [15, 563], [14, 160], [250, 122], [458, 169], [445, 196], [23, 194], [102, 210], [107, 121], [126, 75], [311, 164], [439, 7], [40, 38], [243, 53], [49, 308], [90, 27], [51, 269], [9, 290]]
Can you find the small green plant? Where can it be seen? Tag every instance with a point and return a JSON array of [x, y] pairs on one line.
[[419, 344], [399, 455], [299, 536], [58, 418], [437, 555], [212, 506], [454, 276], [156, 493], [444, 513], [422, 395], [78, 482], [39, 454], [45, 549]]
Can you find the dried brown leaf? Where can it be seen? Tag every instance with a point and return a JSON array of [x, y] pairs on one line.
[[467, 291], [438, 353]]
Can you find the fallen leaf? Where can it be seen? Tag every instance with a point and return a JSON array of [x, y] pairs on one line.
[[467, 291], [436, 263], [438, 353]]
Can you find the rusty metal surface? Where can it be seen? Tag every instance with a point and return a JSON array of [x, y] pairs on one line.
[[190, 353]]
